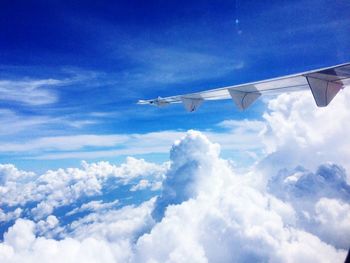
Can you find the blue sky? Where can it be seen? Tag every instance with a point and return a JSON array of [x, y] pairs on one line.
[[87, 173], [72, 68]]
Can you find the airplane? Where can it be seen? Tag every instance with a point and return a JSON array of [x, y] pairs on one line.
[[324, 84]]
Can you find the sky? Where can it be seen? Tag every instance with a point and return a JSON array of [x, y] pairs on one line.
[[84, 169], [70, 69]]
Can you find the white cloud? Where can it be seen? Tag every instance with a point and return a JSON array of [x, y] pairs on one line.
[[14, 122], [65, 143], [129, 144], [98, 237], [299, 133], [318, 200], [95, 206], [20, 236], [50, 225], [214, 215], [241, 135], [36, 92], [21, 245], [9, 216], [143, 184], [168, 65], [63, 187], [31, 92], [333, 217], [237, 137], [206, 213], [114, 225], [301, 185]]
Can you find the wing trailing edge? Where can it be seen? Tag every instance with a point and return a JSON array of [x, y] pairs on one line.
[[324, 84]]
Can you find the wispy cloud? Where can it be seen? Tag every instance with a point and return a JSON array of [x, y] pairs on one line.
[[79, 146], [243, 136], [65, 143], [31, 92], [95, 206], [13, 123], [169, 65], [157, 64]]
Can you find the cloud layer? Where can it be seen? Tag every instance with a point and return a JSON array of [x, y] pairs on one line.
[[37, 196], [288, 207], [299, 133], [206, 213]]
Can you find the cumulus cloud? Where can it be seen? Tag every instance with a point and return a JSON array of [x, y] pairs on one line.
[[114, 225], [299, 133], [222, 218], [11, 215], [146, 184], [333, 217], [303, 186], [207, 211], [319, 200], [21, 245], [63, 187], [98, 237], [191, 161]]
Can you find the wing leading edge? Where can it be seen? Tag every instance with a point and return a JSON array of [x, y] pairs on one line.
[[324, 84]]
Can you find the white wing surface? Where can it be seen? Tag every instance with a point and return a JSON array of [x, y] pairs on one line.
[[324, 84]]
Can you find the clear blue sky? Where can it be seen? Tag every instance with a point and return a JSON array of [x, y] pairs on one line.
[[73, 68]]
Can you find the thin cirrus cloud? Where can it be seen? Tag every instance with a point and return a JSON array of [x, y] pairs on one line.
[[241, 136], [168, 66], [12, 122], [15, 123], [65, 143], [43, 91], [159, 64], [29, 92]]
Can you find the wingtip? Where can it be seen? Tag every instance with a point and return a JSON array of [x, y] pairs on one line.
[[141, 102]]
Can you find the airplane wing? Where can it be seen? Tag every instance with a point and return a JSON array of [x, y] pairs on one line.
[[324, 84]]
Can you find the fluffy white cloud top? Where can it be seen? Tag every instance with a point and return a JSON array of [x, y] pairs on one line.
[[209, 213], [292, 206], [299, 133], [213, 214], [320, 201], [63, 187]]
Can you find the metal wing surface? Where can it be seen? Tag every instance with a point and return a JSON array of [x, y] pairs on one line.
[[324, 84]]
